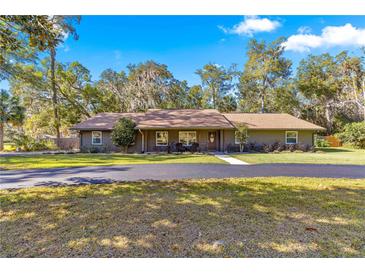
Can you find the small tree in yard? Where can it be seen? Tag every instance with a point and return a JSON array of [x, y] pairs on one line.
[[123, 133], [241, 135]]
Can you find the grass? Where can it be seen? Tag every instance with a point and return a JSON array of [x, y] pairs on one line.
[[77, 160], [343, 156], [256, 217]]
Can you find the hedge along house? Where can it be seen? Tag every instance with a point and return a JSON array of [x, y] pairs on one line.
[[157, 130]]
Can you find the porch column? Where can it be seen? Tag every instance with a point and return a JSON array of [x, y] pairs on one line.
[[142, 139], [221, 140], [80, 141]]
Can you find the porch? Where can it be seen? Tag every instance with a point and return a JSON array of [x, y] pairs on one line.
[[170, 140]]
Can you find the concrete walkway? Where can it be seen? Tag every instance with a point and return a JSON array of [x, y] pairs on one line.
[[230, 160], [109, 174]]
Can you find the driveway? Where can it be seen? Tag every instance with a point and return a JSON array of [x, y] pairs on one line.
[[108, 174]]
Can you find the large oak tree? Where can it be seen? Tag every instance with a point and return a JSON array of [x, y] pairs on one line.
[[265, 73]]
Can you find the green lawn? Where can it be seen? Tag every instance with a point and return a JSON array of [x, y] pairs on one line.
[[252, 217], [73, 160], [344, 156]]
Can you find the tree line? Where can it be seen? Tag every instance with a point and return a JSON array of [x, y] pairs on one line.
[[327, 90]]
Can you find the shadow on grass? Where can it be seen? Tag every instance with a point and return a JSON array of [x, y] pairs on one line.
[[329, 149], [208, 218]]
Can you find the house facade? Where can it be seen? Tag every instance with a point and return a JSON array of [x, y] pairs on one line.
[[158, 130]]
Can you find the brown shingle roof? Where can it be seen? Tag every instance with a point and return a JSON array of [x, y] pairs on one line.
[[270, 121], [105, 121], [159, 119], [184, 119], [195, 119]]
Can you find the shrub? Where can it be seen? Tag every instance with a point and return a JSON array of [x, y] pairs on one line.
[[124, 133], [99, 149], [180, 147], [258, 147], [194, 147], [274, 146], [280, 147], [9, 147], [291, 147], [233, 148], [304, 147], [26, 143], [321, 143], [251, 146], [266, 148], [51, 145], [254, 147], [353, 134], [94, 150], [162, 149]]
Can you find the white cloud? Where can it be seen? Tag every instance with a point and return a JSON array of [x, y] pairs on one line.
[[302, 42], [251, 25], [331, 36], [304, 30]]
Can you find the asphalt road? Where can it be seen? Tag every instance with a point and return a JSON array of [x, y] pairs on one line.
[[109, 174]]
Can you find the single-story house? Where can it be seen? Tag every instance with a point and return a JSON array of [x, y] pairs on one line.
[[157, 129]]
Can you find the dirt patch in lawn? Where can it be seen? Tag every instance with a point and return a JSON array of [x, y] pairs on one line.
[[257, 217]]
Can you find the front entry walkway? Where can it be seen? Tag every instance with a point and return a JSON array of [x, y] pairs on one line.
[[230, 160]]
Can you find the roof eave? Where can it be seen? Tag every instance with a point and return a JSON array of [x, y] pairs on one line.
[[314, 129], [181, 127], [88, 129]]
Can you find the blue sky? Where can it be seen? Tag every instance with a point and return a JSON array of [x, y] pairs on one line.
[[186, 43]]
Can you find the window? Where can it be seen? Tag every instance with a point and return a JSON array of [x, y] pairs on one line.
[[187, 138], [291, 137], [162, 138], [96, 138]]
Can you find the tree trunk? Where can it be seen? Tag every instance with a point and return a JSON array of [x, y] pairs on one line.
[[328, 115], [1, 136], [363, 97], [214, 98], [241, 147], [262, 103], [54, 95]]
